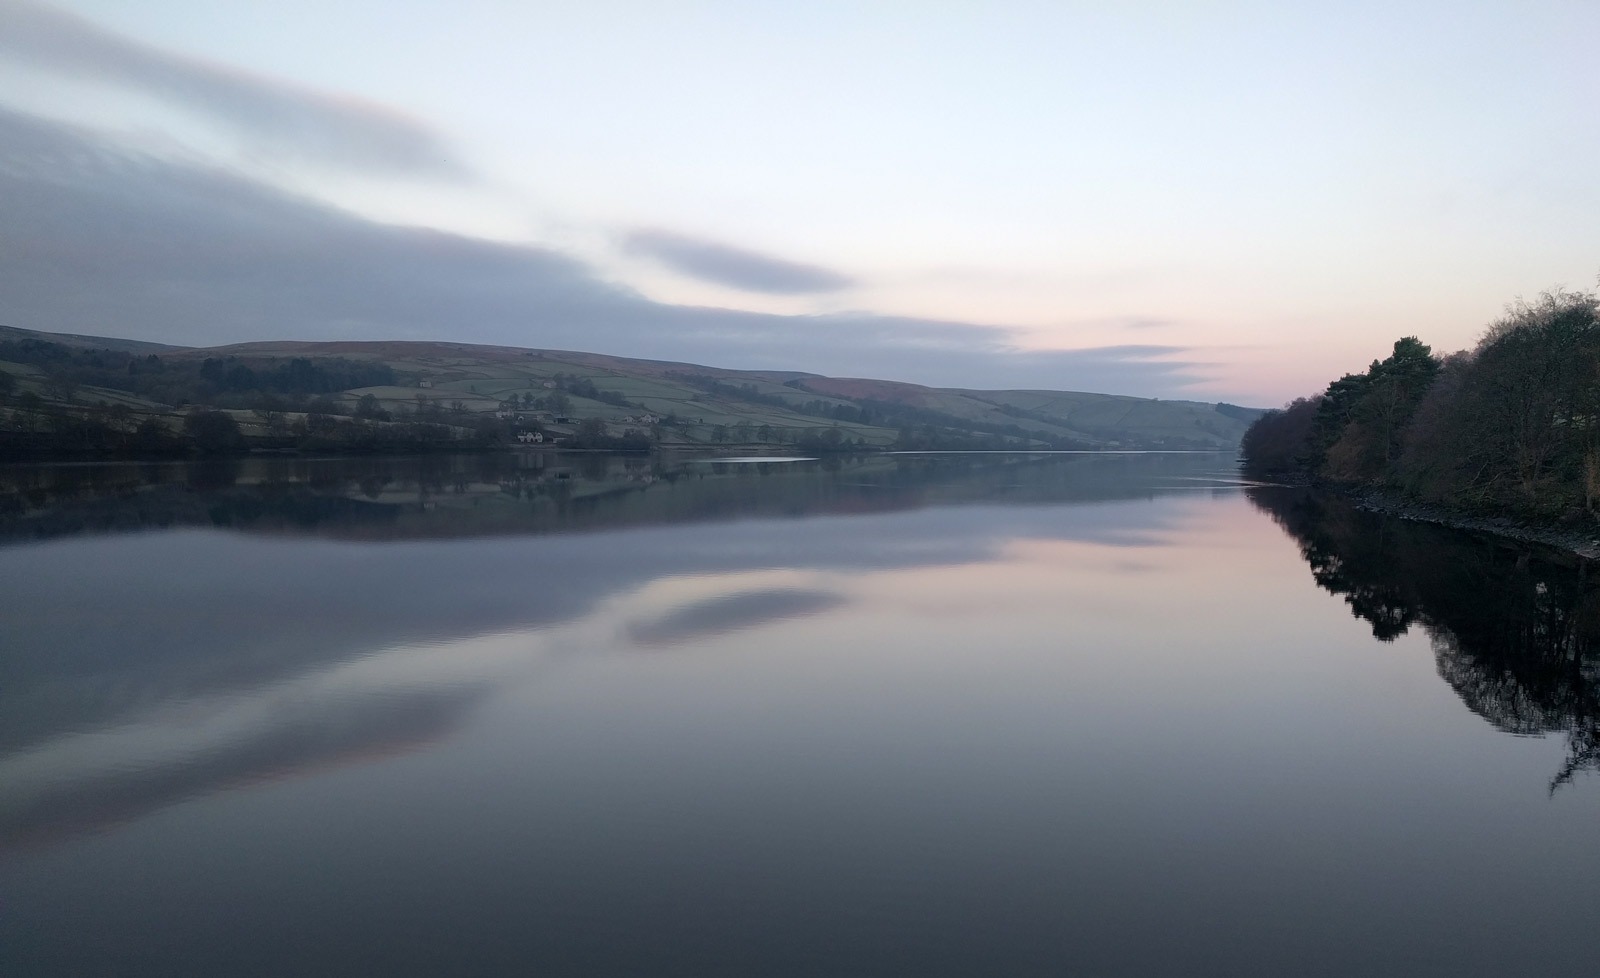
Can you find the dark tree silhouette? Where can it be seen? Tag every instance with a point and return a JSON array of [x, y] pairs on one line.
[[1515, 631]]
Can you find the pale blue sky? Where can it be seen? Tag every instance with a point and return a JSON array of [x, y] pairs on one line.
[[1233, 200]]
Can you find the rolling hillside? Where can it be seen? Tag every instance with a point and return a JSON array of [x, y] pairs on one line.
[[581, 398]]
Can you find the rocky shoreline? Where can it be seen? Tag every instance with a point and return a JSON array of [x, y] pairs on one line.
[[1581, 541]]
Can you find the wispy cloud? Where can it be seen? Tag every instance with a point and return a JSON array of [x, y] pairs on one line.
[[1130, 351], [275, 117], [739, 268], [104, 240]]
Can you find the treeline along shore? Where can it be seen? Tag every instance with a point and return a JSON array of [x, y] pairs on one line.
[[1509, 430]]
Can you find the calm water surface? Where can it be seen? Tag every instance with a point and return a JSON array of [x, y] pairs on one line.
[[933, 715]]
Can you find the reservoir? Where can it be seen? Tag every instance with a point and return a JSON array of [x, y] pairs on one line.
[[1061, 714]]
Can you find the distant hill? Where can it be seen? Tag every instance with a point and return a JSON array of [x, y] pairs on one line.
[[281, 393], [85, 342]]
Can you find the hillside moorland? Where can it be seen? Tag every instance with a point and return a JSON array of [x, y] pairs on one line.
[[67, 394]]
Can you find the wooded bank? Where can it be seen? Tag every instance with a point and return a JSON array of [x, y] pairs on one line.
[[1511, 427]]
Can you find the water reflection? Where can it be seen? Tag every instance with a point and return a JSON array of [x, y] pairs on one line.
[[486, 495], [1057, 717], [732, 612], [1516, 633], [89, 781], [145, 668]]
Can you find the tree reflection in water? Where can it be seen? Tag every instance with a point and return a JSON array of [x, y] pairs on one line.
[[1515, 631]]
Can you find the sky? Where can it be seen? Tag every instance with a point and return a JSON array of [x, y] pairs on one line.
[[1207, 200]]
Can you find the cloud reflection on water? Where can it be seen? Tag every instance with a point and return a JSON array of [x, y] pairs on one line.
[[733, 612], [235, 658]]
